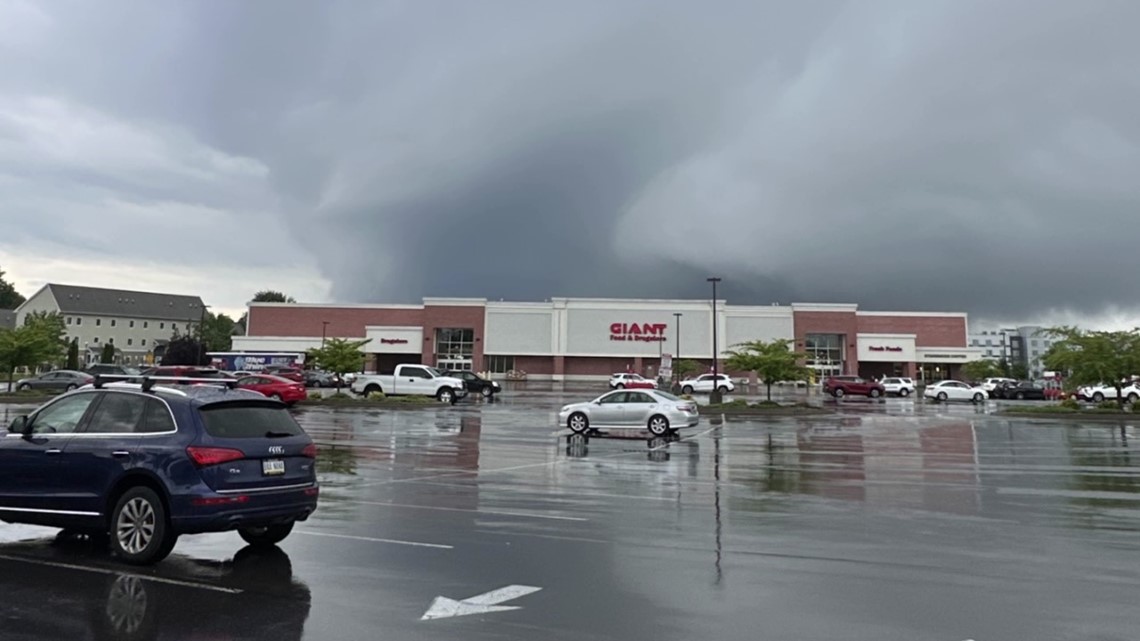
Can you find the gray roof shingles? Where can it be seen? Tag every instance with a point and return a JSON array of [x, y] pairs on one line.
[[94, 301]]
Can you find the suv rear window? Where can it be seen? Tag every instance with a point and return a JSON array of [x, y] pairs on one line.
[[248, 420]]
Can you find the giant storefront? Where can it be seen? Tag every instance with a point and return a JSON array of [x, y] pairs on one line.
[[567, 339]]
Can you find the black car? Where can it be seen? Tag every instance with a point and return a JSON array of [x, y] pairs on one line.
[[112, 370], [476, 384], [1021, 391]]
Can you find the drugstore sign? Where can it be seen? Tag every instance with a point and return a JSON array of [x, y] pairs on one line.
[[638, 332]]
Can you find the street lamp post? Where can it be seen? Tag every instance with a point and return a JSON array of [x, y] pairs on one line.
[[324, 330], [714, 395], [677, 353]]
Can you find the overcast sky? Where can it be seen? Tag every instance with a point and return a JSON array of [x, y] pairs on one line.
[[978, 156]]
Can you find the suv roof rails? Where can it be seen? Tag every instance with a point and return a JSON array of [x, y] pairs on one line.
[[148, 382]]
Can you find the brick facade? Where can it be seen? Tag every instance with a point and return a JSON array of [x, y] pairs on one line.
[[929, 331], [454, 317], [844, 323]]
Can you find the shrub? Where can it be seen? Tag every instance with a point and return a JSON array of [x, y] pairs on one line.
[[339, 397], [1109, 405], [1071, 403], [315, 396], [767, 404], [376, 396]]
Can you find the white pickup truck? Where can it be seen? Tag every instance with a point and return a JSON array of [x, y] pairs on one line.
[[412, 380]]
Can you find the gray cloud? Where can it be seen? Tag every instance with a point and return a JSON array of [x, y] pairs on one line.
[[936, 155]]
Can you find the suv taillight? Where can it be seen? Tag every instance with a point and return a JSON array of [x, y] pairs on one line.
[[310, 450], [206, 456]]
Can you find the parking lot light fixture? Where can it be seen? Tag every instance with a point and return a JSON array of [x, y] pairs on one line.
[[715, 395]]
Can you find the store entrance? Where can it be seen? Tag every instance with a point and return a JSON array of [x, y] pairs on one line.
[[455, 365]]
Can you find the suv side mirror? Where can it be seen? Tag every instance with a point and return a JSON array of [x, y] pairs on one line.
[[18, 425]]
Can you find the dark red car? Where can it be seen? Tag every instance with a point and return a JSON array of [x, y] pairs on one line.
[[290, 372], [840, 386], [276, 387]]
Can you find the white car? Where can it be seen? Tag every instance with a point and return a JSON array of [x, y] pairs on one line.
[[659, 412], [955, 391], [704, 384], [899, 386], [991, 384], [632, 381], [1101, 393]]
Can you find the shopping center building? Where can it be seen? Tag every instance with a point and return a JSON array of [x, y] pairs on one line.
[[567, 339]]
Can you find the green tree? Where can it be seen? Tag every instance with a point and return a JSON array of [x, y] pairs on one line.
[[272, 296], [9, 297], [978, 370], [773, 361], [339, 356], [184, 350], [217, 332], [108, 355], [1020, 371], [25, 346], [50, 326], [1091, 358], [73, 354], [686, 368]]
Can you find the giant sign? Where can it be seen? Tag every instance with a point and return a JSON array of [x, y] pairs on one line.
[[638, 332]]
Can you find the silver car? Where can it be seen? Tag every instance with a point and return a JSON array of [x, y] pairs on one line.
[[657, 411]]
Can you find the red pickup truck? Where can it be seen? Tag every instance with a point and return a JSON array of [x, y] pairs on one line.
[[840, 386]]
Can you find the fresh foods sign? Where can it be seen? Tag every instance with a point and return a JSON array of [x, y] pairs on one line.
[[638, 332], [885, 348]]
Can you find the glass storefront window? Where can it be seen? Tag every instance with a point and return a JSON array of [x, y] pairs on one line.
[[500, 364], [454, 348], [825, 354]]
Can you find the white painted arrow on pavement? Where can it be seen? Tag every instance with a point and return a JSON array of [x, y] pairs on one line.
[[443, 607]]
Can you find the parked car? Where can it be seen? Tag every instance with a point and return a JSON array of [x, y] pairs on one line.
[[144, 464], [899, 386], [275, 387], [628, 380], [1023, 390], [412, 380], [955, 391], [110, 369], [990, 385], [705, 383], [1102, 392], [317, 378], [59, 380], [476, 384], [657, 411], [291, 372], [840, 386]]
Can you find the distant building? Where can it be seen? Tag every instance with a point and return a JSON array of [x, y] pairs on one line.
[[7, 318], [1025, 346], [138, 324]]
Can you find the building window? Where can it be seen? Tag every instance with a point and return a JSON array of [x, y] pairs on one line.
[[98, 322], [130, 341], [112, 322], [132, 324], [95, 340], [143, 342], [68, 320], [78, 321], [500, 364], [454, 347], [825, 353], [111, 341], [146, 324], [162, 325]]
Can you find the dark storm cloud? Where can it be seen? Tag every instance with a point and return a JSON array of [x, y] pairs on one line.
[[930, 155]]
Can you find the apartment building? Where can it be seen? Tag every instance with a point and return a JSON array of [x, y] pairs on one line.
[[138, 324]]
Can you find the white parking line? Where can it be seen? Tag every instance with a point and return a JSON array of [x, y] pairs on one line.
[[113, 572], [376, 540], [528, 515]]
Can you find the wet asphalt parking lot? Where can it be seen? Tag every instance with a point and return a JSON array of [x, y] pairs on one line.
[[885, 521]]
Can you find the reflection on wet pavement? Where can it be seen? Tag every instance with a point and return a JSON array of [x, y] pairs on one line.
[[885, 521]]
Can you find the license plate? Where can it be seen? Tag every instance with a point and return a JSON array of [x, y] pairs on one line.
[[272, 467]]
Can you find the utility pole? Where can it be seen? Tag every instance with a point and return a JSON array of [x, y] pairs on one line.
[[714, 395]]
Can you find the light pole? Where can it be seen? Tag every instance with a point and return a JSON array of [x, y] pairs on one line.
[[714, 395], [677, 352], [324, 330]]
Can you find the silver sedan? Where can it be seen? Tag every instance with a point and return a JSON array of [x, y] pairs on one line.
[[657, 411]]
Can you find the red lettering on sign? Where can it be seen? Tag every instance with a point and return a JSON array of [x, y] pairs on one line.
[[879, 348], [393, 341], [643, 332]]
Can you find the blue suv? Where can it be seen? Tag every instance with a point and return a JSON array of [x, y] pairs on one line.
[[141, 465]]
